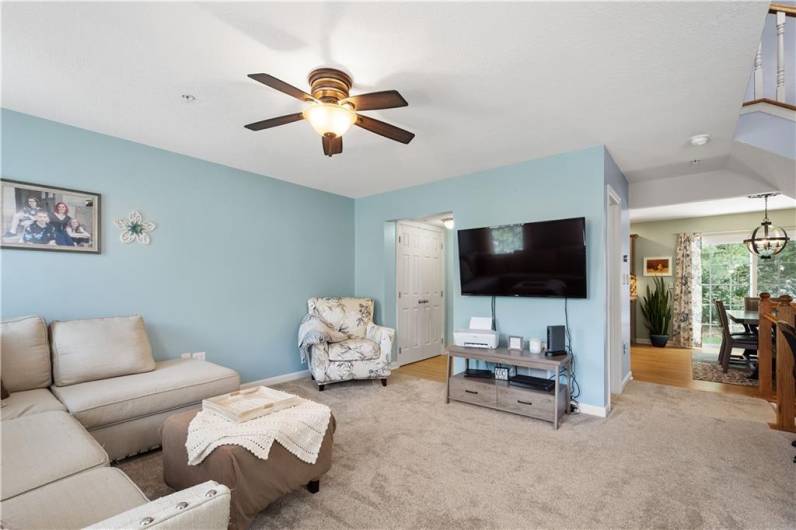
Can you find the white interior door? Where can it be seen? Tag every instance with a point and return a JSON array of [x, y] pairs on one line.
[[420, 251], [614, 296]]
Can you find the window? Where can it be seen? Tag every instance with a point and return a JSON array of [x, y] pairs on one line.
[[730, 272], [777, 275], [726, 276]]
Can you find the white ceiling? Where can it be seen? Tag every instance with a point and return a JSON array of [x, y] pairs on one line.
[[488, 84], [708, 208]]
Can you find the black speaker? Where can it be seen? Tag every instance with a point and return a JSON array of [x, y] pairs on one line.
[[556, 340]]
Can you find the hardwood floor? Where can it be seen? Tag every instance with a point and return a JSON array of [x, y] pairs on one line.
[[672, 366], [432, 368], [665, 366]]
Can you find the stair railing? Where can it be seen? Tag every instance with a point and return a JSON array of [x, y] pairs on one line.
[[781, 11]]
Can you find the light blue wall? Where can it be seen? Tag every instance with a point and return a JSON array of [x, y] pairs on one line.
[[232, 262], [768, 132], [566, 185]]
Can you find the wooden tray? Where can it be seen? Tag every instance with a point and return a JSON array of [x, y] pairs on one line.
[[245, 405]]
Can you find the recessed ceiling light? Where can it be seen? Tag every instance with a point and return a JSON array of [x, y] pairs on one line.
[[699, 139], [188, 98]]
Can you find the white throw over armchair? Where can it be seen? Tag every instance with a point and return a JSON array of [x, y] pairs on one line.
[[343, 343]]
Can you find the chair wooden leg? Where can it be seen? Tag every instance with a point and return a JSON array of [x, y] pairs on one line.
[[725, 361], [321, 387], [314, 486], [722, 347], [383, 382]]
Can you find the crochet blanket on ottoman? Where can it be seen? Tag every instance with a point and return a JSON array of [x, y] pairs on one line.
[[298, 429]]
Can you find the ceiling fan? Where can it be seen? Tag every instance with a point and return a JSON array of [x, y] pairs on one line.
[[332, 111]]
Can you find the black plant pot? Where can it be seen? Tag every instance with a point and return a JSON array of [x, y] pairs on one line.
[[659, 341]]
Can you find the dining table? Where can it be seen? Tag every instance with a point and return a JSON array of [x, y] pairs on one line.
[[744, 317]]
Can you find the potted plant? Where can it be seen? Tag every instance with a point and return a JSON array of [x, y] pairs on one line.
[[656, 307]]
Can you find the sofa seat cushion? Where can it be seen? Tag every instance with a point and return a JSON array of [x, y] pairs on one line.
[[29, 402], [74, 502], [25, 351], [46, 447], [99, 348], [354, 350], [172, 384]]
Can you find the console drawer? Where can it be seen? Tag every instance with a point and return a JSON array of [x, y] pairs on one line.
[[525, 402], [473, 390]]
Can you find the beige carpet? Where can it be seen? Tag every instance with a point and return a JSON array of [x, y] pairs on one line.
[[666, 457]]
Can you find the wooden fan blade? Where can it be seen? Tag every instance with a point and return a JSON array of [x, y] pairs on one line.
[[384, 129], [278, 84], [388, 99], [332, 146], [337, 145], [274, 122]]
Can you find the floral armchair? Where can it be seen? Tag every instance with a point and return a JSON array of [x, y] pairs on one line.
[[340, 341]]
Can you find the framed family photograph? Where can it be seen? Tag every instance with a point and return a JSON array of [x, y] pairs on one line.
[[660, 266], [39, 217]]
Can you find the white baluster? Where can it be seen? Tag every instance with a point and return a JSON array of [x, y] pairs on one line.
[[780, 56], [758, 90]]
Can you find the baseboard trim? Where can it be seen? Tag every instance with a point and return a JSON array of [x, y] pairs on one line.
[[643, 341], [592, 410], [626, 380], [284, 378]]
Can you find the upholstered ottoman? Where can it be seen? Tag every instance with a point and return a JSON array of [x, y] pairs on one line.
[[254, 483]]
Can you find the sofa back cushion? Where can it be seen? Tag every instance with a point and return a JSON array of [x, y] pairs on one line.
[[347, 315], [25, 362], [87, 350]]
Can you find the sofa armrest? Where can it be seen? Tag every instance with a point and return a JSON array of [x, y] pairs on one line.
[[384, 336], [201, 507]]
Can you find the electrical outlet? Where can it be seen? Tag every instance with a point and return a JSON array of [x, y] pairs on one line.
[[200, 355], [185, 356]]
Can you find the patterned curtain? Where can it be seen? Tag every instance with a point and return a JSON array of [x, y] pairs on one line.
[[687, 311]]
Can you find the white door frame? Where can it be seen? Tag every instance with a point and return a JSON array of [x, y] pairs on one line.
[[443, 262], [613, 295]]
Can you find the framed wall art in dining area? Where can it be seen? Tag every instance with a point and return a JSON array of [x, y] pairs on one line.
[[41, 217], [658, 266]]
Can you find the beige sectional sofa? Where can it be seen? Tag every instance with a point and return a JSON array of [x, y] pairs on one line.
[[108, 401]]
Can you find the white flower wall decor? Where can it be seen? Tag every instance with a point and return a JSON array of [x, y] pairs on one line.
[[135, 229]]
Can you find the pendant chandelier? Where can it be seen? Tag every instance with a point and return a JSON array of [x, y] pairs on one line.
[[766, 240]]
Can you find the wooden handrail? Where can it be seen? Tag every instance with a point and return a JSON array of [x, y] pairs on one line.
[[790, 11], [781, 104]]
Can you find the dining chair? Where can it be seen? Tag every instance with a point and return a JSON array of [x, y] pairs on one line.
[[751, 303], [789, 332], [730, 340]]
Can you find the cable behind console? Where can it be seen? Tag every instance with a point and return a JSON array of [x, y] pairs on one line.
[[574, 392]]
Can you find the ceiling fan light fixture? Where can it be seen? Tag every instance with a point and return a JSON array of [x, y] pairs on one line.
[[699, 140], [329, 119]]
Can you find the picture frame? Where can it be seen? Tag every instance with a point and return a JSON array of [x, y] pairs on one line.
[[51, 218], [658, 266], [515, 343]]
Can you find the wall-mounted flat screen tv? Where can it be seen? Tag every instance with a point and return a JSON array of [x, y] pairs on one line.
[[544, 259]]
